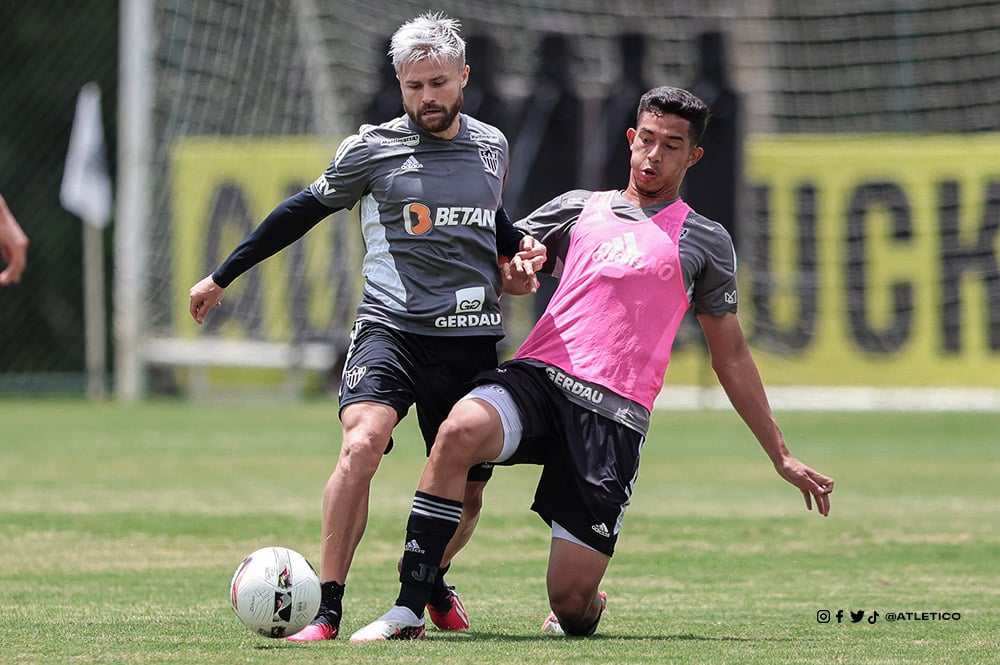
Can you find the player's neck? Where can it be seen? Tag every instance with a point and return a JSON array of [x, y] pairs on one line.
[[451, 131], [643, 200]]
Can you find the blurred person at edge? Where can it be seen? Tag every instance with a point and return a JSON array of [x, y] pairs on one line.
[[13, 246]]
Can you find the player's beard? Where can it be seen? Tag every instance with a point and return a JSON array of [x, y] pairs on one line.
[[439, 123]]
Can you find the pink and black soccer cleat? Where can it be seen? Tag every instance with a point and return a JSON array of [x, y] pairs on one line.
[[454, 617], [317, 631]]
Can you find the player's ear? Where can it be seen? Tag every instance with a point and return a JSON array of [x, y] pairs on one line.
[[630, 134], [465, 75], [695, 155]]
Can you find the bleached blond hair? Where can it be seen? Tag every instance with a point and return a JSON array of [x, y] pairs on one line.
[[431, 35]]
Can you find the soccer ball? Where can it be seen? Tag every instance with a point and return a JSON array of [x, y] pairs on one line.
[[275, 592]]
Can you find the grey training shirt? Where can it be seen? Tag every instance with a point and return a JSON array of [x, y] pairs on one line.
[[708, 260], [428, 218]]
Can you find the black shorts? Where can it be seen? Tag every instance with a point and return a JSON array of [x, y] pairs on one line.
[[590, 462], [401, 369]]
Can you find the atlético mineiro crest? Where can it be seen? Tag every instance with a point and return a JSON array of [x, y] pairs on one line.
[[353, 376], [491, 160]]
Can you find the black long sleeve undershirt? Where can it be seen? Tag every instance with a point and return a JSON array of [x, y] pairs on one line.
[[508, 236], [296, 215], [288, 222]]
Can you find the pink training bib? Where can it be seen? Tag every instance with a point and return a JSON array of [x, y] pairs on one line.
[[619, 302]]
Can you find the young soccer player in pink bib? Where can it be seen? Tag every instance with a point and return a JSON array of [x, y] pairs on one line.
[[577, 397]]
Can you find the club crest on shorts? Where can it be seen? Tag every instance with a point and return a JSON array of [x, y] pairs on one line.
[[353, 376]]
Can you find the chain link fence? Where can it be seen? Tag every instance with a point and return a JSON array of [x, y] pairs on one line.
[[48, 50], [232, 71]]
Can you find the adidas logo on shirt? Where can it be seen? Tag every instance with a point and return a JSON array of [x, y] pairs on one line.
[[411, 164]]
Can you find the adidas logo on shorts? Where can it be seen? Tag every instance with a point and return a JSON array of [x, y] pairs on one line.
[[601, 530]]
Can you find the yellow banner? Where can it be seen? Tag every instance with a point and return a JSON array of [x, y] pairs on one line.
[[222, 189], [866, 260], [870, 260]]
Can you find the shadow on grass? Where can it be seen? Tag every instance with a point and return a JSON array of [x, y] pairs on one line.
[[553, 639]]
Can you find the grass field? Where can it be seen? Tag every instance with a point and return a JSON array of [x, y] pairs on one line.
[[121, 527]]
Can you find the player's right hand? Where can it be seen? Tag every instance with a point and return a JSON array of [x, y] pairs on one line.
[[519, 273], [205, 295]]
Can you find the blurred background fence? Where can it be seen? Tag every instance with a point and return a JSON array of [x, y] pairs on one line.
[[853, 155]]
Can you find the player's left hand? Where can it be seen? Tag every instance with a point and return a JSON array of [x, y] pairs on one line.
[[519, 276], [812, 483]]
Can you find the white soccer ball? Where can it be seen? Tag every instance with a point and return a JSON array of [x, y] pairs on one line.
[[275, 592]]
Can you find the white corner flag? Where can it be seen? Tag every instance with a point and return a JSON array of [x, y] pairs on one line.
[[86, 185], [86, 192]]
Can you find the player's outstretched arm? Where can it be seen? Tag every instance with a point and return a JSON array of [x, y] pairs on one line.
[[738, 375], [289, 221]]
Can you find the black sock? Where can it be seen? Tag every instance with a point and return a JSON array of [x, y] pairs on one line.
[[440, 592], [331, 604], [433, 521]]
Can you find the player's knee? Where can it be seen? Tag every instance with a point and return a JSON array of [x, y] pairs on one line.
[[361, 452], [566, 602], [460, 443]]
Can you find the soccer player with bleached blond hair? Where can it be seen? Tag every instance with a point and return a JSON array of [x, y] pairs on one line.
[[429, 186]]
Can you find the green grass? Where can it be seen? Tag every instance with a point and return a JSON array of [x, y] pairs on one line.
[[121, 527]]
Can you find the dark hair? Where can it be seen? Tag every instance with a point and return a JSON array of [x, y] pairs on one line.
[[667, 100]]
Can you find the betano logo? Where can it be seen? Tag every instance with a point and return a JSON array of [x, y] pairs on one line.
[[418, 218]]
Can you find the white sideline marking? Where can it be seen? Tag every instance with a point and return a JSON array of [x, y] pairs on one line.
[[839, 398]]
